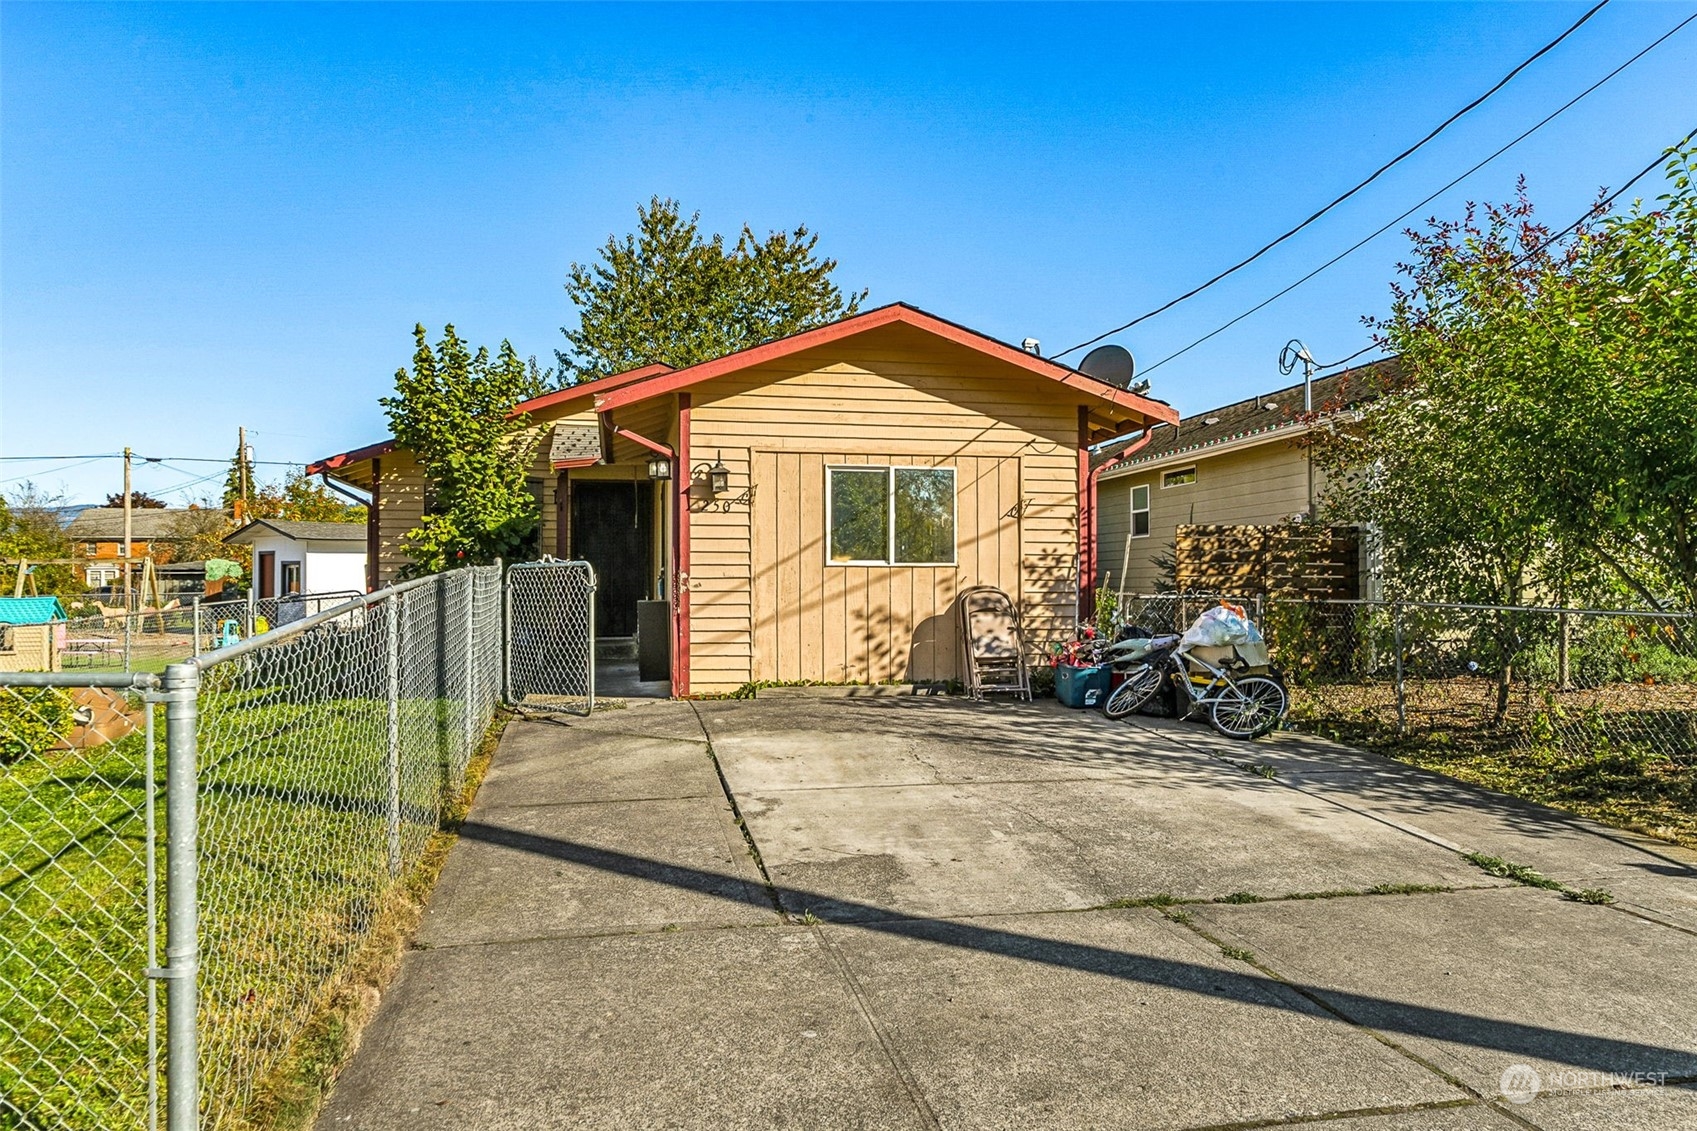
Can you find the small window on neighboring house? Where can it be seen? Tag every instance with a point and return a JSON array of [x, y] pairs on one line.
[[7, 643], [1140, 511], [90, 548], [291, 578], [1178, 478], [891, 515]]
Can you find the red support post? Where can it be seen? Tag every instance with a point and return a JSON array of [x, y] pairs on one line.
[[680, 575]]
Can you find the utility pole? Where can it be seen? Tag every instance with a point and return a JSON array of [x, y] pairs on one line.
[[241, 474], [127, 530]]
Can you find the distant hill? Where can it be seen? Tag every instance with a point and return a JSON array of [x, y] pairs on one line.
[[67, 515]]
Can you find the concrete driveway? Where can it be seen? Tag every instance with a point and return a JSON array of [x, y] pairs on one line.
[[898, 912]]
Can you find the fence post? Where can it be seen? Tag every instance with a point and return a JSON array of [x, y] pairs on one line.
[[1396, 643], [1564, 674], [182, 922], [252, 605], [506, 639], [470, 708], [590, 709], [394, 758], [128, 665], [197, 628]]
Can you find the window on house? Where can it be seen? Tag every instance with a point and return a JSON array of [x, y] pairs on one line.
[[1178, 478], [891, 515], [1140, 511], [291, 578]]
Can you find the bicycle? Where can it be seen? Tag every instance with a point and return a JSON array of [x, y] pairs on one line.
[[1243, 706]]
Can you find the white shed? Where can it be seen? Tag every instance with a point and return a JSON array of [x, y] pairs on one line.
[[304, 557]]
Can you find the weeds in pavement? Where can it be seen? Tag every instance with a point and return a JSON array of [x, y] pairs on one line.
[[1508, 870]]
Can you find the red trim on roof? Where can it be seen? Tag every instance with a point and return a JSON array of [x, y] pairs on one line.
[[358, 455], [572, 393], [569, 464], [1150, 410], [547, 400]]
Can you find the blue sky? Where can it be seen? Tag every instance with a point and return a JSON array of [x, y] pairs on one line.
[[223, 215]]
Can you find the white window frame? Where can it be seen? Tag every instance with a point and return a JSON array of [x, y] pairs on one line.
[[1133, 510], [1190, 471], [889, 471]]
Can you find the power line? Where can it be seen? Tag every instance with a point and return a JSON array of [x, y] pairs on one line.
[[1595, 210], [1352, 249], [161, 459], [1377, 173]]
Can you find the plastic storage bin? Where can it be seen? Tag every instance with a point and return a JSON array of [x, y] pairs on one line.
[[1081, 687]]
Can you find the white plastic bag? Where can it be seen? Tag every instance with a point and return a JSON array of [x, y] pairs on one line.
[[1220, 627]]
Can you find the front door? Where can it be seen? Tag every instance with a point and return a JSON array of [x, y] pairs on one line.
[[612, 529], [266, 573]]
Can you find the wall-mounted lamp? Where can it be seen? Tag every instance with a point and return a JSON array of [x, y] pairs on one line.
[[659, 467], [719, 476]]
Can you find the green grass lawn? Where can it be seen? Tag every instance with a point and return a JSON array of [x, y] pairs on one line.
[[295, 866]]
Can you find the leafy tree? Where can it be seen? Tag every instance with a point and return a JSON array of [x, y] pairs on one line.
[[1619, 387], [300, 498], [666, 293], [1436, 466], [139, 500], [241, 470], [197, 534], [1536, 438], [1541, 436], [450, 410], [30, 528]]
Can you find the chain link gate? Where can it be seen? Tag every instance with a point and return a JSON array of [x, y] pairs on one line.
[[550, 610]]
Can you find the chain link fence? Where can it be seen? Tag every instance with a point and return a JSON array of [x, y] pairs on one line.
[[149, 641], [1550, 682], [303, 772], [551, 635], [79, 783]]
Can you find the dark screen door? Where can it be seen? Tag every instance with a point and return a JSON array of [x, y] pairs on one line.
[[612, 530]]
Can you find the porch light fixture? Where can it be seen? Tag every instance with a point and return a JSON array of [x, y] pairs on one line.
[[719, 476], [659, 467]]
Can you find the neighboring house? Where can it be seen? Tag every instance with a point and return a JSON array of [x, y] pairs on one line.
[[304, 557], [837, 489], [32, 630], [97, 535], [1236, 465]]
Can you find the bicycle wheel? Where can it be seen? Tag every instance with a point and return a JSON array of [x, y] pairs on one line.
[[1139, 687], [1251, 710]]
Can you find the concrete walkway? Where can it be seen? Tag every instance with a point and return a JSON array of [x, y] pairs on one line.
[[939, 914]]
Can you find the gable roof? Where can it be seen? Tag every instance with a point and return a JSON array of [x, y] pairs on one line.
[[301, 531], [1125, 402], [1272, 415], [30, 610], [653, 380], [590, 388], [106, 524], [555, 399]]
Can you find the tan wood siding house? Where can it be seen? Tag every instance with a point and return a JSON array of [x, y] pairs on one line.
[[1241, 464], [868, 471]]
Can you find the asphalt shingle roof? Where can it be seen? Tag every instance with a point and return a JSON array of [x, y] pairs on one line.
[[106, 524], [304, 531], [1269, 413]]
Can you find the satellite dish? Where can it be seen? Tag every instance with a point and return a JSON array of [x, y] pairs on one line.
[[1113, 365]]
